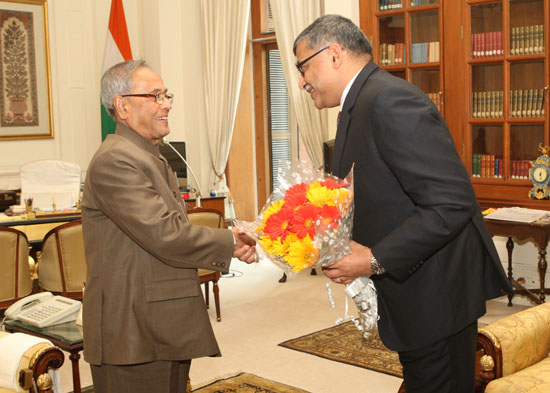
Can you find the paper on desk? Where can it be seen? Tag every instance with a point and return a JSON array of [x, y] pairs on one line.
[[518, 214]]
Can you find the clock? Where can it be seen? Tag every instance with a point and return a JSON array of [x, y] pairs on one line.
[[540, 175]]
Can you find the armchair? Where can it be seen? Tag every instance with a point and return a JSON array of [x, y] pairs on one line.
[[210, 218], [62, 263], [33, 357], [513, 353], [14, 266]]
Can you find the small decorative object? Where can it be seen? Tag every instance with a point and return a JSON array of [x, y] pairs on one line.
[[540, 174], [29, 212]]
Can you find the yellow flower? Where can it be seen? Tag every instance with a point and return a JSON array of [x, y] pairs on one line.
[[301, 254], [319, 195], [341, 196], [272, 209]]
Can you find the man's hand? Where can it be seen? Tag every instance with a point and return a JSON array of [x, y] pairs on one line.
[[350, 267], [244, 248]]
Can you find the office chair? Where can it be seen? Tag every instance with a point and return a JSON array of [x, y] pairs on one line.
[[14, 266], [62, 263], [209, 218]]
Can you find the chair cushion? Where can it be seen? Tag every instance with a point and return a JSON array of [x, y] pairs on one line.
[[533, 379]]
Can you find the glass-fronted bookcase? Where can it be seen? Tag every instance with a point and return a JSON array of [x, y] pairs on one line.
[[506, 91], [491, 77], [407, 43]]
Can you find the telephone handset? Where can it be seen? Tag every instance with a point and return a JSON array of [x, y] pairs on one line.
[[44, 309]]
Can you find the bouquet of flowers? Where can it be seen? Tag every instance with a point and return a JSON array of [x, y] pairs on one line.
[[307, 222]]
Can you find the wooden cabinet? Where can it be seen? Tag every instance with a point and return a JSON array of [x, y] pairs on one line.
[[407, 43], [492, 80]]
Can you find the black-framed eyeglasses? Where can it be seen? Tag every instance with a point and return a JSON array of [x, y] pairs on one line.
[[300, 64], [159, 97]]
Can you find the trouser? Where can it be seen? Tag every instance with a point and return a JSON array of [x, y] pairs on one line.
[[447, 366], [159, 377]]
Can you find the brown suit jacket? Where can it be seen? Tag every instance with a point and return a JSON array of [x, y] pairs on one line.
[[143, 300]]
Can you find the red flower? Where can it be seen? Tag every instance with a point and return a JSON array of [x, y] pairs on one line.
[[297, 189], [278, 225], [331, 184], [293, 201], [331, 215], [304, 221]]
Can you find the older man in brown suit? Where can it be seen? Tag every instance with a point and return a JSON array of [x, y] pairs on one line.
[[144, 314]]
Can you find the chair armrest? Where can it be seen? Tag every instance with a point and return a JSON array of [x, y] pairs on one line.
[[522, 339]]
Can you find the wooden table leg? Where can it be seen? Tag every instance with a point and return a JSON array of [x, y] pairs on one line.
[[510, 248], [542, 272], [75, 356]]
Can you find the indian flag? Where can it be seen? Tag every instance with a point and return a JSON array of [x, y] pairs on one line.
[[117, 49]]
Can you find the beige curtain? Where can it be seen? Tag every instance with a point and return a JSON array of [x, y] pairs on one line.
[[225, 25], [290, 18]]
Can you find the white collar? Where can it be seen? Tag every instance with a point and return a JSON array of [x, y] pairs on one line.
[[346, 90]]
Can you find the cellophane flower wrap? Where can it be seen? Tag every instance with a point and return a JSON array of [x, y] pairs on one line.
[[307, 222]]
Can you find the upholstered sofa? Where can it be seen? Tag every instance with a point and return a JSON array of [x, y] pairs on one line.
[[513, 353], [33, 365]]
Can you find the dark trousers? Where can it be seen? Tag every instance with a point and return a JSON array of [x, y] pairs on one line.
[[447, 366], [159, 377]]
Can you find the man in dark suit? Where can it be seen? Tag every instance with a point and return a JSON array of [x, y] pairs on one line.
[[418, 229], [144, 315]]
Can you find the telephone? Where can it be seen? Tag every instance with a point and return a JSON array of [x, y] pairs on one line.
[[44, 309]]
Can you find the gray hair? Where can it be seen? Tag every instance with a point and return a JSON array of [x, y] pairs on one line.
[[118, 80], [335, 28]]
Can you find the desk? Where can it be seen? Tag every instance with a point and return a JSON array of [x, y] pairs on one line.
[[217, 203], [540, 233], [66, 336], [36, 228]]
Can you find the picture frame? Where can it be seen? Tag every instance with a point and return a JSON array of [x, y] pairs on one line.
[[25, 81]]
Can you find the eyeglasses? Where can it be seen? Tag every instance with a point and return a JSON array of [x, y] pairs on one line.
[[300, 64], [159, 97]]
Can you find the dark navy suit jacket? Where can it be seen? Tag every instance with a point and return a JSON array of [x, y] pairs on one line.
[[416, 208]]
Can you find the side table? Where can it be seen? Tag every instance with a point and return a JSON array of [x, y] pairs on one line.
[[66, 336], [539, 232]]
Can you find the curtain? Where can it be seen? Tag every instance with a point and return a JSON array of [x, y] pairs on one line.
[[290, 17], [225, 26]]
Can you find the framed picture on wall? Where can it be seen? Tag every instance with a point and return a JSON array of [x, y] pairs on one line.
[[25, 86]]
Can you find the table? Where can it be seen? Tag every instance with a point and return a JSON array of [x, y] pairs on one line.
[[66, 336], [36, 228], [539, 232]]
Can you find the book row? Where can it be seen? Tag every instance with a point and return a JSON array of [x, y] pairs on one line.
[[385, 5], [486, 165], [487, 44], [527, 103], [436, 98], [426, 52], [525, 40], [487, 104], [491, 166], [415, 3], [391, 54]]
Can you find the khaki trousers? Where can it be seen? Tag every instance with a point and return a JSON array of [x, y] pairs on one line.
[[159, 377]]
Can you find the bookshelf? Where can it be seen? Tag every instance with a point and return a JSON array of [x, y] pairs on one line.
[[492, 78], [506, 92], [407, 43]]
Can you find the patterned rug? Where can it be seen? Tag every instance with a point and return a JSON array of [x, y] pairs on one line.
[[344, 343], [247, 383]]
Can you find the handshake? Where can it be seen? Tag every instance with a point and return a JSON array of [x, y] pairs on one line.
[[245, 247]]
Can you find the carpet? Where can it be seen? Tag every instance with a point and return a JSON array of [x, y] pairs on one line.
[[246, 383], [343, 343]]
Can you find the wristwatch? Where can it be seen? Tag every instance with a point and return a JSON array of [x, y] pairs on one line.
[[376, 267]]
